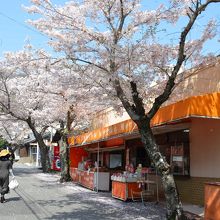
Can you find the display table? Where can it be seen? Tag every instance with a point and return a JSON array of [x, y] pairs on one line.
[[91, 180], [123, 190], [134, 189], [212, 200]]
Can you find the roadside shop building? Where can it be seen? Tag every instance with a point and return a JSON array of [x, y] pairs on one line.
[[187, 132]]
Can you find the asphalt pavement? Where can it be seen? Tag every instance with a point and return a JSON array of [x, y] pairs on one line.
[[41, 196]]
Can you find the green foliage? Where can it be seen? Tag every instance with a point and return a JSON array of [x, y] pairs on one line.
[[3, 142]]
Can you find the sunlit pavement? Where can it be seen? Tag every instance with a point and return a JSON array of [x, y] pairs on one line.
[[41, 196]]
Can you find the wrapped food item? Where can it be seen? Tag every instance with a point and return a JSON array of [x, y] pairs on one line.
[[88, 164]]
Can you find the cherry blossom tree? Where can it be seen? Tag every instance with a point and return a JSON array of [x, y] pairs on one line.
[[12, 130], [127, 46], [39, 92], [23, 74], [79, 99]]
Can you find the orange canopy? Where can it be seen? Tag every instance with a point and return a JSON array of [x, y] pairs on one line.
[[207, 105]]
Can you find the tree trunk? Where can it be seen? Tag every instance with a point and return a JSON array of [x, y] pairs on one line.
[[44, 149], [45, 160], [64, 150], [64, 158], [174, 206]]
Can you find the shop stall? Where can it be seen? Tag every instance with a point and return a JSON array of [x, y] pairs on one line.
[[92, 165], [124, 190], [90, 175], [123, 166], [90, 179], [136, 185]]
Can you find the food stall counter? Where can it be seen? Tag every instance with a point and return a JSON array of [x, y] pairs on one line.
[[90, 179], [124, 190], [124, 187]]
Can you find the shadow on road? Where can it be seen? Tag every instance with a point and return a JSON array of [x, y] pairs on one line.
[[90, 205], [14, 199], [72, 202], [20, 169]]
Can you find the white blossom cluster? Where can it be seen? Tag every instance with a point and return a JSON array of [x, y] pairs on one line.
[[105, 47]]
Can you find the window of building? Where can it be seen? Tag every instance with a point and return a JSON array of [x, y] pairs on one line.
[[174, 147], [115, 159]]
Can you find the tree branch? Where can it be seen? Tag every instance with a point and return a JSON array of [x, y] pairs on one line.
[[180, 59], [88, 62], [121, 95], [139, 106]]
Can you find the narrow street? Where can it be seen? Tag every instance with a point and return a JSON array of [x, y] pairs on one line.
[[41, 196]]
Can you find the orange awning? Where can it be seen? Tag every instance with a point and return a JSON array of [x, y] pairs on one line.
[[197, 106]]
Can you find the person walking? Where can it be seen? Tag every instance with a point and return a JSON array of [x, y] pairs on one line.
[[12, 155], [5, 170]]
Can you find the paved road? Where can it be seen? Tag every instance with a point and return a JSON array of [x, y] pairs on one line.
[[41, 196]]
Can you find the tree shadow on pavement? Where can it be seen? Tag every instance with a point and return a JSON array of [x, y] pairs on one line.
[[100, 206], [73, 202], [25, 171], [13, 199]]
